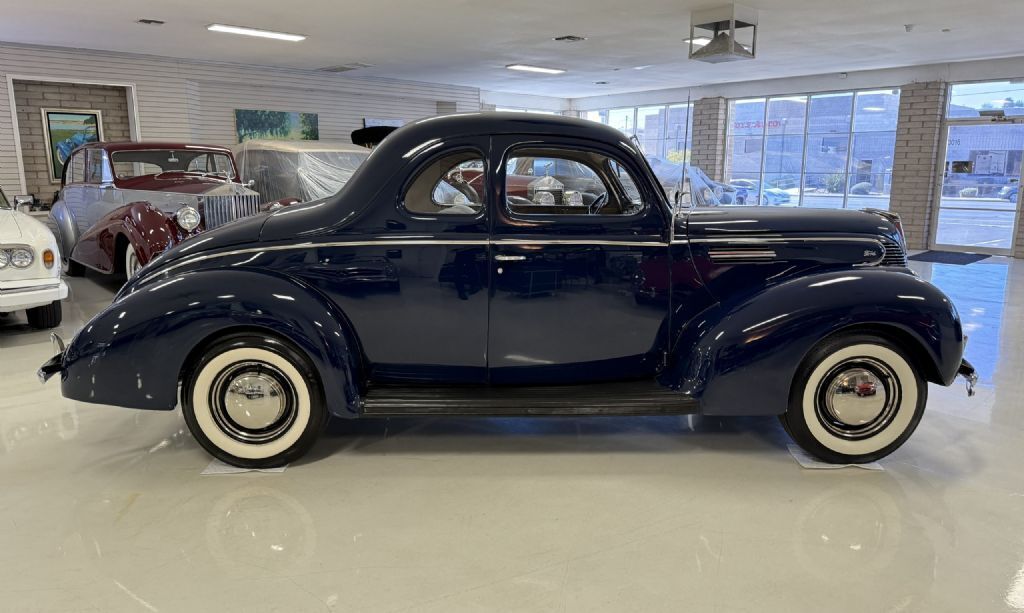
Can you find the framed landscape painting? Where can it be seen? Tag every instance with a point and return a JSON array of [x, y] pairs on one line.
[[276, 125], [64, 131]]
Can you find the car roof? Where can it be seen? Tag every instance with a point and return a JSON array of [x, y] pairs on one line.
[[503, 122], [147, 145]]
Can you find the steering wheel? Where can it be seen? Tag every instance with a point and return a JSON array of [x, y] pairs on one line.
[[598, 202]]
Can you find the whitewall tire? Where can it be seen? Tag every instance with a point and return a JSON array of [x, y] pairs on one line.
[[855, 399], [131, 262], [254, 401]]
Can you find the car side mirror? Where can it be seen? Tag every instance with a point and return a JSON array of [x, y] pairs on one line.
[[23, 202]]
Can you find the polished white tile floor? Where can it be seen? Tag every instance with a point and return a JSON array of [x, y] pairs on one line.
[[104, 509]]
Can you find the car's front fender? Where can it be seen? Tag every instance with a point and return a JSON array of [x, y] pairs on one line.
[[740, 358], [147, 229], [133, 352]]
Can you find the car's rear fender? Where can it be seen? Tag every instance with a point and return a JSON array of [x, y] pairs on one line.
[[740, 358], [127, 357]]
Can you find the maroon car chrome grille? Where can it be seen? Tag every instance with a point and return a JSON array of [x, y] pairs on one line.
[[219, 210]]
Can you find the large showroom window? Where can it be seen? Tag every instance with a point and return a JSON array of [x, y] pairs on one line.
[[830, 150], [509, 109], [663, 131], [981, 172]]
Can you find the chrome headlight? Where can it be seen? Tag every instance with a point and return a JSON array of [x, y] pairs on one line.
[[4, 259], [188, 218], [21, 257]]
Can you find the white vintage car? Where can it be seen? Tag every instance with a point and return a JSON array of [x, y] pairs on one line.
[[29, 268]]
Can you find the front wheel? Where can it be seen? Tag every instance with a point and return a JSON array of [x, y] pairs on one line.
[[46, 316], [131, 262], [254, 401], [855, 399]]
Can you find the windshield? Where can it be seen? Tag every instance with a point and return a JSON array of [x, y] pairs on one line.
[[131, 164], [4, 204]]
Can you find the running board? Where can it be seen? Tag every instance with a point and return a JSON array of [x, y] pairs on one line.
[[630, 398]]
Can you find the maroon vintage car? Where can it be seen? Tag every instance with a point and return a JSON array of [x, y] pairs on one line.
[[121, 204]]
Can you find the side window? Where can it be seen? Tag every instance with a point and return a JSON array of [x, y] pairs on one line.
[[450, 185], [76, 170], [94, 166], [569, 182]]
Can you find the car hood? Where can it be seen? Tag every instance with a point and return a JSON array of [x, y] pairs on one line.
[[10, 229], [241, 231], [25, 229], [723, 222], [183, 184]]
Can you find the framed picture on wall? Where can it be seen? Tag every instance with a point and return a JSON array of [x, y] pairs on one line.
[[65, 130], [276, 125]]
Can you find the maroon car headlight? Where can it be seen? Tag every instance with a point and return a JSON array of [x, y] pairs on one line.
[[188, 218]]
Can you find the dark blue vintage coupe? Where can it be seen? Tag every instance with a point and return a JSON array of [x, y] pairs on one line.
[[512, 264]]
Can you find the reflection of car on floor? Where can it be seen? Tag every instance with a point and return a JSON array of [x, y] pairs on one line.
[[121, 204], [29, 270], [506, 307], [746, 193], [298, 170]]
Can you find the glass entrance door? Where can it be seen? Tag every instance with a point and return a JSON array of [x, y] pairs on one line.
[[980, 200]]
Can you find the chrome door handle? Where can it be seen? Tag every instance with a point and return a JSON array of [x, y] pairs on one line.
[[510, 258]]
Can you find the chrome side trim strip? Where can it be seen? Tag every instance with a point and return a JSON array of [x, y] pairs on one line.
[[743, 255], [785, 239], [513, 241], [625, 243]]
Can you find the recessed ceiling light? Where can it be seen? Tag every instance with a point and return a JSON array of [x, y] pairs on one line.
[[569, 38], [644, 67], [151, 22], [698, 41], [217, 27], [540, 69]]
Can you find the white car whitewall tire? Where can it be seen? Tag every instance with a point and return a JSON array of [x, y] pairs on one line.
[[855, 399], [254, 401], [131, 262]]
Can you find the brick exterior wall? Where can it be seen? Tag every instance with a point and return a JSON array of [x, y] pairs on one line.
[[32, 96], [708, 148], [915, 162]]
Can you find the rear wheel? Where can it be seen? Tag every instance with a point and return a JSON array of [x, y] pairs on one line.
[[46, 316], [254, 401], [855, 399], [71, 268]]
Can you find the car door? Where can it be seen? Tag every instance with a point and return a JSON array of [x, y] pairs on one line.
[[416, 289], [73, 192], [571, 298]]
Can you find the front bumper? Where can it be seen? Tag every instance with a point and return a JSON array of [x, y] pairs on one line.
[[55, 364], [969, 374], [17, 295]]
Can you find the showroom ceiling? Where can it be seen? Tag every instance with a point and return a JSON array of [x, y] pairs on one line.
[[631, 46]]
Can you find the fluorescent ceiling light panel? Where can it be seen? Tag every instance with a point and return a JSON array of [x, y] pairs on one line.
[[528, 68], [217, 27]]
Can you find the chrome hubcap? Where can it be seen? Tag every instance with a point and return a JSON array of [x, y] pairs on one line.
[[253, 402], [858, 398]]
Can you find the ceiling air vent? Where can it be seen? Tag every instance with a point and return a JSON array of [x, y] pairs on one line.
[[569, 38], [345, 67]]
